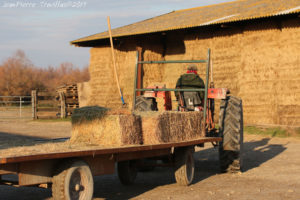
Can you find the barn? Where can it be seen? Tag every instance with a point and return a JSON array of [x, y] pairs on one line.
[[255, 51]]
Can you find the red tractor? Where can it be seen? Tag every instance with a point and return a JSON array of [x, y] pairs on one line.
[[230, 126]]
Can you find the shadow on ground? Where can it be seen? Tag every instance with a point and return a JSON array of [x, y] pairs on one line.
[[206, 162], [9, 140], [207, 165], [258, 152]]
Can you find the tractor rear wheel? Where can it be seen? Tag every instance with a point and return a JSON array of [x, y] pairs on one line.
[[145, 104], [231, 130]]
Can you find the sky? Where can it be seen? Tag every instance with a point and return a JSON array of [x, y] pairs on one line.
[[43, 29]]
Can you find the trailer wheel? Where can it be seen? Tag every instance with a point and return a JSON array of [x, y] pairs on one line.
[[127, 172], [147, 165], [184, 165], [231, 130], [73, 181]]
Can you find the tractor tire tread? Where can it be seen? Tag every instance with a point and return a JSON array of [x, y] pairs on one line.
[[231, 129]]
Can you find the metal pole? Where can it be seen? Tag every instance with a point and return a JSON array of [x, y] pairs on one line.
[[211, 72], [172, 61], [172, 89]]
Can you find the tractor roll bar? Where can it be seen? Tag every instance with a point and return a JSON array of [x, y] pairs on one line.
[[171, 89], [172, 61]]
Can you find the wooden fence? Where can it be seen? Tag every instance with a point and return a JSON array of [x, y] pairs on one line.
[[59, 104], [45, 105]]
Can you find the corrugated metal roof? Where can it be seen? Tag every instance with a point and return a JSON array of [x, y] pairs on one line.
[[203, 16]]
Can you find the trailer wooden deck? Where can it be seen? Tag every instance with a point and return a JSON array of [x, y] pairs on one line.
[[82, 151], [73, 167]]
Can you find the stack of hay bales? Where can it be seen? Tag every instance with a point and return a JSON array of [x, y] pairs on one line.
[[98, 125], [101, 126]]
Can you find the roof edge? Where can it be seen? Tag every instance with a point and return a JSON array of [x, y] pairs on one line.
[[76, 42]]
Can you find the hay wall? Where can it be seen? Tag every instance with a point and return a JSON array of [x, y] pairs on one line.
[[269, 77], [84, 93], [259, 63], [104, 90], [153, 73]]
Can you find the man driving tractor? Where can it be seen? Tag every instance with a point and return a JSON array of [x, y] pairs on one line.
[[190, 101]]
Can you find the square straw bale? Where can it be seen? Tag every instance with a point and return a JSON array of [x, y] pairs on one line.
[[171, 126], [96, 125]]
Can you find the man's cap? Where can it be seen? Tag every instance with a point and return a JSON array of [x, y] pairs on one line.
[[192, 67]]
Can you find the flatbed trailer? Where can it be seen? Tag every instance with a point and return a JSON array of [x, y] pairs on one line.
[[70, 173]]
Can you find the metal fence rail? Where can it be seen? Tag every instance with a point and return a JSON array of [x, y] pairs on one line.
[[13, 107]]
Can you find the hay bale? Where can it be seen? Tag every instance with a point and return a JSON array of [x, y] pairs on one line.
[[101, 126], [88, 113], [164, 127]]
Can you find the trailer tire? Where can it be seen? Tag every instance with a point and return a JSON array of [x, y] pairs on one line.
[[127, 172], [148, 165], [231, 131], [184, 165], [74, 180]]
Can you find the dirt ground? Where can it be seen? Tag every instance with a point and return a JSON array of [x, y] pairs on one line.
[[271, 171]]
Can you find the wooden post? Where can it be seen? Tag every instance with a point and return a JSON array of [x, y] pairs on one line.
[[20, 107], [33, 103], [62, 105]]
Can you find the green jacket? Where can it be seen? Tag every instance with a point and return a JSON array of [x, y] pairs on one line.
[[189, 81]]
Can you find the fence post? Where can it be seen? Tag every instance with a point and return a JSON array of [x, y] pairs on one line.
[[33, 103], [62, 105], [20, 107]]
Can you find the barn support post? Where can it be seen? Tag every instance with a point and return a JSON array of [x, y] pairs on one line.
[[206, 83], [135, 80], [139, 72]]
